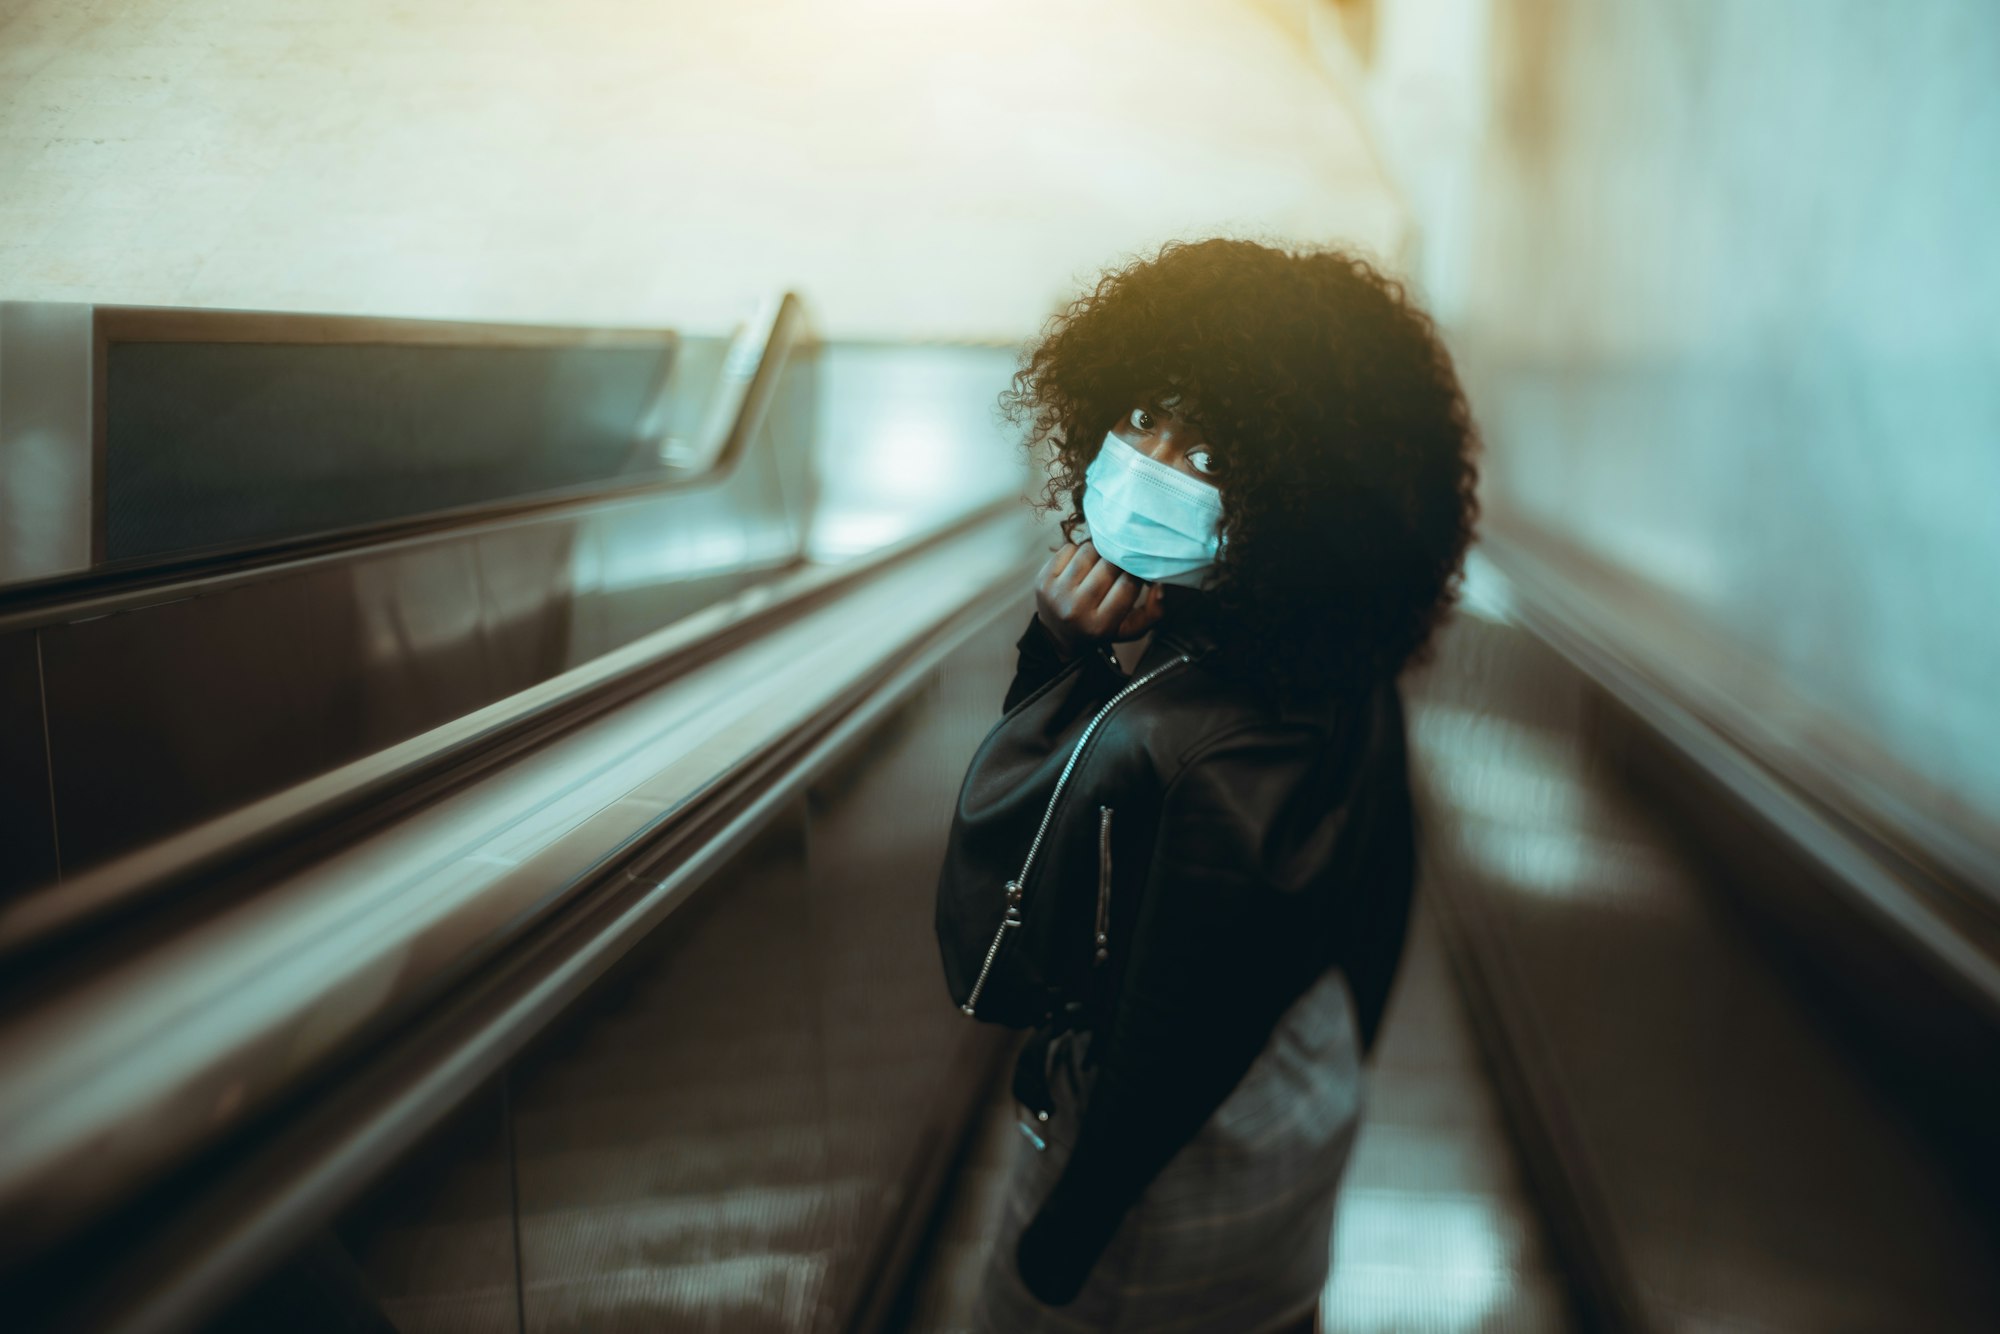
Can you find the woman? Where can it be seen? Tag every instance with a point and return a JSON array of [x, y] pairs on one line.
[[1270, 461]]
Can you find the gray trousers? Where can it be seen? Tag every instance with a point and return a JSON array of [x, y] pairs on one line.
[[1236, 1233]]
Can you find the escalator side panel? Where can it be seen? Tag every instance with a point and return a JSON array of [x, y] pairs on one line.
[[1706, 1135], [27, 820], [212, 442], [246, 689], [674, 1149], [732, 1129]]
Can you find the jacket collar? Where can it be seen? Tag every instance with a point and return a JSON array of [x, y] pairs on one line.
[[1190, 625], [1193, 625]]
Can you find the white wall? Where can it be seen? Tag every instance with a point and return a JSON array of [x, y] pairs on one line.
[[1732, 315], [916, 167]]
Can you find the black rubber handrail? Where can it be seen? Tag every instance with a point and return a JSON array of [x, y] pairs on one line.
[[412, 769]]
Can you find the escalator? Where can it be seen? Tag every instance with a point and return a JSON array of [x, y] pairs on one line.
[[472, 800], [1744, 1018], [336, 1009]]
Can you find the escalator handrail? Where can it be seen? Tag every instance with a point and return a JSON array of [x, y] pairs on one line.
[[757, 355], [39, 918], [267, 1200], [113, 1079], [34, 918], [1942, 897]]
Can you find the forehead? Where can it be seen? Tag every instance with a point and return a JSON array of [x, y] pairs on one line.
[[1175, 400]]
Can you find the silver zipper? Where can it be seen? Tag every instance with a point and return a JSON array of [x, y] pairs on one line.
[[1103, 883], [1008, 922], [1012, 917]]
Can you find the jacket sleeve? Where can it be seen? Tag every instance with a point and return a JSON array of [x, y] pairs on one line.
[[1201, 992], [1039, 661]]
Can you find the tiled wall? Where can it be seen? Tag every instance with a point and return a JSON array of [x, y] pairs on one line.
[[914, 168]]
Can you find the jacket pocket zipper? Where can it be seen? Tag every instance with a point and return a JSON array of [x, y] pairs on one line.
[[1103, 883]]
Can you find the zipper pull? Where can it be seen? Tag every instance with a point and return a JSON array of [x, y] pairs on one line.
[[1103, 884]]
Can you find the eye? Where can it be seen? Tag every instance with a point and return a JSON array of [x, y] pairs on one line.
[[1142, 421], [1203, 461]]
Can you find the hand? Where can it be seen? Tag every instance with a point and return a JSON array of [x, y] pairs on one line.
[[1082, 598]]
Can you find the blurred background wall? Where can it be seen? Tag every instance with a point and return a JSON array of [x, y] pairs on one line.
[[914, 168], [1725, 282]]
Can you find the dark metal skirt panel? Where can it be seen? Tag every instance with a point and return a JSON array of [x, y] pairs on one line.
[[734, 1130]]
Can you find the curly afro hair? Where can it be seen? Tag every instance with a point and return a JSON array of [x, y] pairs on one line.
[[1344, 446]]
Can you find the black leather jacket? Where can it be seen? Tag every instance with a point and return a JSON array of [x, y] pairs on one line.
[[1259, 844]]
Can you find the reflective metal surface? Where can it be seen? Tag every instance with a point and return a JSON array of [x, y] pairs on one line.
[[293, 812], [47, 470], [177, 708], [27, 819], [504, 669], [247, 690], [184, 712], [908, 438], [1922, 873], [128, 1067], [1708, 1118], [215, 445], [1437, 1230], [729, 1132]]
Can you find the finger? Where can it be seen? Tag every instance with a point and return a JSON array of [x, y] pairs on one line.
[[1090, 571], [1148, 612], [1058, 589], [1083, 561], [1120, 598], [1150, 609], [1053, 567], [1091, 591]]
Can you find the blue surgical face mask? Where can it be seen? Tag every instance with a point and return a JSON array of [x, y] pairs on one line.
[[1150, 519]]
